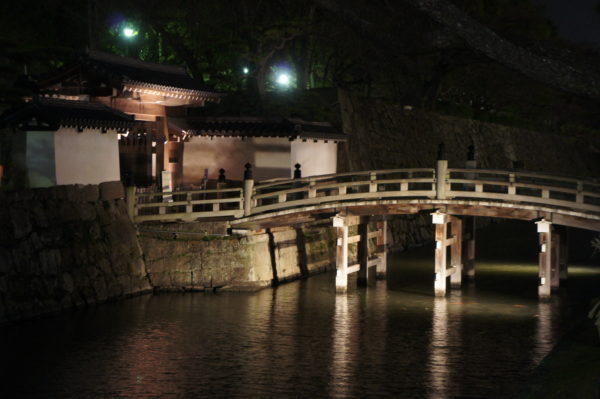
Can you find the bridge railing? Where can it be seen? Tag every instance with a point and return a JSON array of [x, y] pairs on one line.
[[185, 205], [389, 183], [527, 187], [419, 183], [479, 184]]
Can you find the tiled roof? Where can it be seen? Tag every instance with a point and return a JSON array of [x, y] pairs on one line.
[[261, 127], [50, 114], [150, 73]]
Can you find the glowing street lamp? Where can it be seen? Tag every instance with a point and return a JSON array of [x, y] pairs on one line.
[[245, 70], [283, 79], [129, 32]]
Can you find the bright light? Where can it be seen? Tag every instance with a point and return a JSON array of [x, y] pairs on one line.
[[129, 32], [245, 70], [283, 79]]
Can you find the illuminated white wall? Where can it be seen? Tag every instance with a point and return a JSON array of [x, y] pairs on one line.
[[89, 157], [318, 158], [270, 158]]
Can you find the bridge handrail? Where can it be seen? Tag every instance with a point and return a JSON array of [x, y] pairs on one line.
[[481, 184], [267, 183], [197, 191], [170, 209], [331, 186], [538, 175]]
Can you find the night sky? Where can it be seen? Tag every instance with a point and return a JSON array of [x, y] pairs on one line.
[[576, 20]]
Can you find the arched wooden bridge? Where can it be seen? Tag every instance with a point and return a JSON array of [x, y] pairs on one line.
[[452, 195]]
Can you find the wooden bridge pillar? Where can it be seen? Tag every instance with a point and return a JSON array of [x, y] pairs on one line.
[[382, 249], [248, 189], [563, 261], [443, 224], [341, 258], [468, 247], [456, 252], [363, 253], [548, 258]]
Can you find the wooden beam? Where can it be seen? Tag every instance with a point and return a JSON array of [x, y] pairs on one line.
[[441, 231], [382, 246], [456, 252], [363, 254], [341, 260]]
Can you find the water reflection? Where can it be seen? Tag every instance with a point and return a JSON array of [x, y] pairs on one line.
[[343, 359], [299, 340], [445, 343], [545, 333]]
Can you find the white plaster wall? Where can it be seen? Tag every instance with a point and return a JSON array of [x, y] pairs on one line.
[[318, 158], [270, 158], [89, 157], [39, 159]]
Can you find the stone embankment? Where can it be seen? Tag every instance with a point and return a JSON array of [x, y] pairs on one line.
[[65, 247], [188, 257], [75, 246]]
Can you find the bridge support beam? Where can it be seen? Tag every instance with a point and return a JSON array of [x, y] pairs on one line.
[[445, 224], [363, 253], [382, 249], [468, 247], [549, 257], [456, 252], [341, 259], [563, 261]]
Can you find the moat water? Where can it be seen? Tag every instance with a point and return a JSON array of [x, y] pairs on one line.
[[393, 339]]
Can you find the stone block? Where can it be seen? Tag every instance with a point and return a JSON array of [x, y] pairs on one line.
[[90, 193], [73, 192], [6, 264], [20, 222], [6, 233], [94, 231], [67, 283], [101, 291], [50, 261], [67, 211], [111, 190], [58, 192], [3, 284], [86, 211], [39, 215]]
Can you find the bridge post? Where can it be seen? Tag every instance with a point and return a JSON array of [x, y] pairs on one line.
[[555, 258], [441, 233], [441, 172], [544, 229], [341, 259], [469, 247], [382, 249], [563, 263], [248, 188], [455, 252], [363, 252]]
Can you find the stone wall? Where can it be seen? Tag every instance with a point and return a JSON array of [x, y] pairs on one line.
[[64, 247], [384, 135], [181, 257]]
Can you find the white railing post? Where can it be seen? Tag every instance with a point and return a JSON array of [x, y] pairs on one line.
[[373, 184], [312, 191], [441, 172], [512, 190], [189, 208], [248, 188]]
